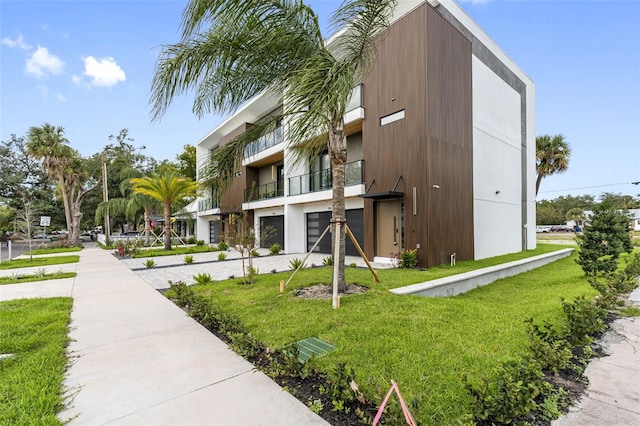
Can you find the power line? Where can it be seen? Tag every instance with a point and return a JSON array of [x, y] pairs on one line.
[[591, 187]]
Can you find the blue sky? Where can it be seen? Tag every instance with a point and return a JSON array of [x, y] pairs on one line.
[[87, 66]]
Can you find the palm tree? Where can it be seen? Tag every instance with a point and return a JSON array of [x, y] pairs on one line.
[[169, 189], [552, 156], [64, 165], [232, 50]]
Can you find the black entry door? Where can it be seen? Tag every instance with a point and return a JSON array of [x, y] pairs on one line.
[[318, 222], [275, 227]]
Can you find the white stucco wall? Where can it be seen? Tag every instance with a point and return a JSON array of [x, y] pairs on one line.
[[497, 173]]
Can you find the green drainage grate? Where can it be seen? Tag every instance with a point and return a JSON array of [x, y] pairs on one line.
[[312, 346]]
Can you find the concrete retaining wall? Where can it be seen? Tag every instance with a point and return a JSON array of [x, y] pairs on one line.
[[461, 283]]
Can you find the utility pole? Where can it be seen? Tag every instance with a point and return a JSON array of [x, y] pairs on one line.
[[105, 198]]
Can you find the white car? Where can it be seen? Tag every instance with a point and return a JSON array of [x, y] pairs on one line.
[[543, 228]]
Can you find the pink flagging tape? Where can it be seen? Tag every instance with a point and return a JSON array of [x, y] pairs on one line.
[[405, 410]]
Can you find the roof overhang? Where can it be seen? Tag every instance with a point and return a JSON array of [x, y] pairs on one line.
[[384, 195]]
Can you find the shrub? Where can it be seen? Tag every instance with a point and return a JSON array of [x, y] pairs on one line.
[[202, 278], [222, 256], [223, 246], [296, 263], [200, 242], [353, 265], [327, 261], [584, 318], [150, 263], [275, 249], [409, 259], [255, 253], [188, 259], [252, 271], [603, 241], [509, 395], [548, 346], [191, 240]]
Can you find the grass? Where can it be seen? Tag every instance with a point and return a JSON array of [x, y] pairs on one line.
[[426, 344], [35, 330], [174, 251], [568, 236], [38, 261], [55, 250], [19, 279]]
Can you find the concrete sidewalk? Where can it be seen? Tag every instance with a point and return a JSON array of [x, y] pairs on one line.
[[613, 395], [138, 359]]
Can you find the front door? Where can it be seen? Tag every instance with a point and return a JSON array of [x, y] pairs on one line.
[[389, 228]]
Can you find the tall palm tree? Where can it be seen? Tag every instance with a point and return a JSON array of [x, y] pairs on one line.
[[552, 156], [48, 144], [169, 189], [64, 165], [232, 50]]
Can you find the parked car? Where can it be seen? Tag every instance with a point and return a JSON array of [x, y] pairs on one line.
[[87, 236], [561, 228], [543, 228]]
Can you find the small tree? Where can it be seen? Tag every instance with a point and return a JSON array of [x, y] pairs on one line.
[[576, 214], [244, 240], [26, 218], [602, 242]]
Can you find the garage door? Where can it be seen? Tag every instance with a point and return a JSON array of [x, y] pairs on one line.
[[276, 225], [317, 223]]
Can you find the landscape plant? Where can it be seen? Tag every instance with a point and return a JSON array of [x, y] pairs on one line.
[[202, 278], [188, 259], [603, 241], [222, 256], [150, 263], [275, 249]]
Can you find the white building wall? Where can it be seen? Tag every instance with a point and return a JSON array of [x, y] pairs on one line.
[[497, 174]]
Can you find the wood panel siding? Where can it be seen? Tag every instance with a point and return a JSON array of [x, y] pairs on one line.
[[232, 199], [424, 68]]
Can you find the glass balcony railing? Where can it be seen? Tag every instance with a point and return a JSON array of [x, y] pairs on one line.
[[264, 192], [322, 180], [266, 141], [208, 204], [356, 98]]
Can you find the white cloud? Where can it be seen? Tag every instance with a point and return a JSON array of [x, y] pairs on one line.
[[61, 97], [18, 42], [41, 63], [103, 72]]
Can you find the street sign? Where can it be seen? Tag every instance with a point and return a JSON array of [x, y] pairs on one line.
[[45, 220]]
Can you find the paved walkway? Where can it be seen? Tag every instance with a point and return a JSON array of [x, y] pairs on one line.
[[613, 395], [138, 359], [173, 268]]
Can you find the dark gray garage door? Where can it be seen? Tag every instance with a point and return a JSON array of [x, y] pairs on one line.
[[317, 222], [276, 224]]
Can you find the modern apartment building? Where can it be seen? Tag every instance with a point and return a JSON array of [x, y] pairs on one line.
[[441, 152]]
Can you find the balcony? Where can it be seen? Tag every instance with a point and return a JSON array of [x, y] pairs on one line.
[[266, 141], [264, 192], [323, 180], [208, 204]]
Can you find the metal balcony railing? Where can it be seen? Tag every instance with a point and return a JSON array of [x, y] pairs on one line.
[[264, 192], [264, 142], [322, 180]]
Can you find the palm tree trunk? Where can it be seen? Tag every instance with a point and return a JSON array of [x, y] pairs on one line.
[[167, 226], [538, 181], [147, 225], [65, 200], [338, 156]]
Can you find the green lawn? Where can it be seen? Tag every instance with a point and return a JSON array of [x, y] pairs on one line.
[[35, 330], [425, 344], [19, 279], [39, 261], [55, 250]]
